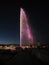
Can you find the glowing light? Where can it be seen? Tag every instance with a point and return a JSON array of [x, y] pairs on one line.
[[25, 33]]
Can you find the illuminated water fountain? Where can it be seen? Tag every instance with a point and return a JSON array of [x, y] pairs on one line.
[[26, 37]]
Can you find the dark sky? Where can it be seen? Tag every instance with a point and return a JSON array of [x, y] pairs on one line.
[[9, 22], [38, 15]]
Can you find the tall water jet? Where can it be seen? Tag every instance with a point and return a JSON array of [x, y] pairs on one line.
[[26, 37]]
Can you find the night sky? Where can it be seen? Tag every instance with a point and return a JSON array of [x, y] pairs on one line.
[[9, 23], [38, 16]]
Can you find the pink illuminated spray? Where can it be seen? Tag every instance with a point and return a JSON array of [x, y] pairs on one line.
[[26, 37]]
